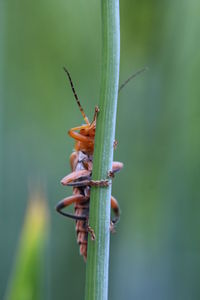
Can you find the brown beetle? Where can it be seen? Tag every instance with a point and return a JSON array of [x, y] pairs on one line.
[[81, 161]]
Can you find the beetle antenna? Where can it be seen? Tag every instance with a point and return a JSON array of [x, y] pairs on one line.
[[76, 97], [131, 77]]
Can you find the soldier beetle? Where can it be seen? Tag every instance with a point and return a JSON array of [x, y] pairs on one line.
[[81, 161]]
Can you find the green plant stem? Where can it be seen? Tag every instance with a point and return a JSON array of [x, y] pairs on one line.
[[99, 219]]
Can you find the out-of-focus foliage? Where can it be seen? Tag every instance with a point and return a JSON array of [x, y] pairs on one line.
[[27, 276], [156, 251]]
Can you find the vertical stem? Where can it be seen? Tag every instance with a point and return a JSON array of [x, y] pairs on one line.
[[98, 250]]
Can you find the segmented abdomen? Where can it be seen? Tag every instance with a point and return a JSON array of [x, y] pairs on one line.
[[82, 209]]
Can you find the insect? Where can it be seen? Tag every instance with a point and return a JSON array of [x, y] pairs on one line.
[[81, 161]]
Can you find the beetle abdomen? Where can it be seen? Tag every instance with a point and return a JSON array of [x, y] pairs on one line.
[[82, 209]]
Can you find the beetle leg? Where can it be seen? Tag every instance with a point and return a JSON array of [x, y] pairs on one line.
[[96, 111], [80, 127], [116, 210], [112, 227], [73, 160], [116, 167], [68, 201], [70, 179], [78, 136], [87, 164], [91, 232], [115, 143], [111, 174], [102, 183], [85, 227]]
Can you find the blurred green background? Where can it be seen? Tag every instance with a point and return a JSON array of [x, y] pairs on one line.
[[156, 251]]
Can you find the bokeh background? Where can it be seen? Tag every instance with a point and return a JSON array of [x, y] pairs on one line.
[[155, 253]]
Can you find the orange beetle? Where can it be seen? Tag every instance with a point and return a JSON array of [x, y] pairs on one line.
[[81, 161]]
